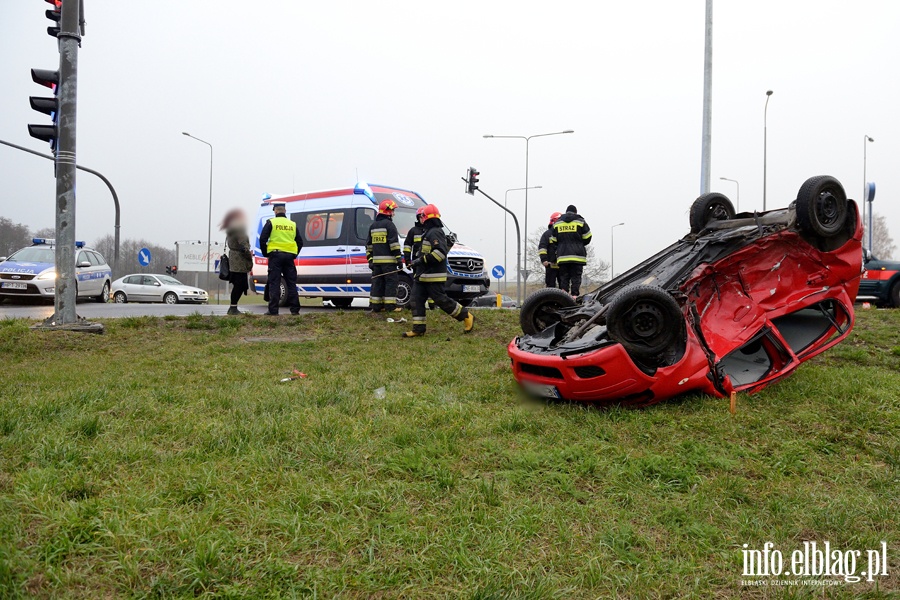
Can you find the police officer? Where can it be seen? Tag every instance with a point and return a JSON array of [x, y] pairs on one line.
[[567, 242], [431, 270], [385, 259], [547, 259], [280, 242]]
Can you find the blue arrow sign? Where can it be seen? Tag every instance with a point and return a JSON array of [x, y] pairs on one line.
[[498, 271], [144, 257], [870, 192]]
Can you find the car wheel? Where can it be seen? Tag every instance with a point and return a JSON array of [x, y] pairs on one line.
[[708, 208], [404, 291], [283, 300], [342, 302], [646, 320], [120, 298], [822, 206], [539, 311], [895, 294], [103, 298], [170, 298]]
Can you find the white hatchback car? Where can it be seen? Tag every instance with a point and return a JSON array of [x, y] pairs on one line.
[[31, 272], [156, 288]]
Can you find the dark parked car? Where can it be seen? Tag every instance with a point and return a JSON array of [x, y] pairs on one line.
[[880, 282], [735, 305], [490, 301]]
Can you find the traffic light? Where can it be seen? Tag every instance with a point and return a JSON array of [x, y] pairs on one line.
[[174, 270], [48, 106], [54, 15], [472, 181]]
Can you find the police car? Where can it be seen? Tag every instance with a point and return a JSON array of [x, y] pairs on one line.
[[31, 272]]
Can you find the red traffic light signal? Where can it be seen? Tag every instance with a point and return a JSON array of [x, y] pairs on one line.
[[54, 15], [472, 181]]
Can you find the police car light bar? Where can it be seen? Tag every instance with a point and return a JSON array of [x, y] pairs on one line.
[[79, 244], [39, 241]]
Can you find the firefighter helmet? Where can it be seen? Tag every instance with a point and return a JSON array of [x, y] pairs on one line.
[[387, 207], [420, 213], [555, 217], [431, 212]]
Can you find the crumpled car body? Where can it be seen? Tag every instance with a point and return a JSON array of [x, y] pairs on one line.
[[755, 295]]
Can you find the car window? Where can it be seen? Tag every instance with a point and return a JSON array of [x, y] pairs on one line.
[[148, 280], [97, 259], [35, 254], [756, 360], [364, 219], [802, 329], [321, 228], [168, 280], [133, 280], [82, 257]]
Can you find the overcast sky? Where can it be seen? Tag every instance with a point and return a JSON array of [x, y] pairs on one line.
[[302, 95]]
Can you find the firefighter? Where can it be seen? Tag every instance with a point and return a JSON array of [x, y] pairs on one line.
[[412, 246], [431, 271], [280, 242], [568, 241], [385, 259], [547, 259]]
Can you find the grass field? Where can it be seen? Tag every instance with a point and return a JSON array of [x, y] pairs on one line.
[[164, 459]]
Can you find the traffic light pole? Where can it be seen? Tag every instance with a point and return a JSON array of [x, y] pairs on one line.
[[66, 290], [112, 191], [518, 245]]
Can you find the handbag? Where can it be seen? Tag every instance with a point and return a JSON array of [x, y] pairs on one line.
[[224, 267]]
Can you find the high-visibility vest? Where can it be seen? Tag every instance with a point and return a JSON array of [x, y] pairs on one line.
[[283, 236]]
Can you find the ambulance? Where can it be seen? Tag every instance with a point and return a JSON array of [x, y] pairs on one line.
[[332, 264]]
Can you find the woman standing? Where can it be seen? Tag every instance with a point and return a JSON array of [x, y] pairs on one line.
[[240, 257]]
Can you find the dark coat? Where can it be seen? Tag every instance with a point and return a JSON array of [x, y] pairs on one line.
[[240, 256]]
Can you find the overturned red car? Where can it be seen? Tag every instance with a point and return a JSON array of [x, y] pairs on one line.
[[735, 305]]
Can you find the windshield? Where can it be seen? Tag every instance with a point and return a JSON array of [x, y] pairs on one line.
[[34, 254], [168, 280], [404, 219]]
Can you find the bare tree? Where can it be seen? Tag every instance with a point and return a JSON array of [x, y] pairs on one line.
[[13, 236], [162, 256], [595, 271], [45, 232], [882, 243]]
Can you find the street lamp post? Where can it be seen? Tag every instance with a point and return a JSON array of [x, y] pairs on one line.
[[612, 250], [209, 224], [765, 144], [738, 197], [527, 141], [505, 220], [866, 140]]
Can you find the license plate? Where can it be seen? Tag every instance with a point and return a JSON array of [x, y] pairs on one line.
[[471, 288], [540, 389], [15, 286]]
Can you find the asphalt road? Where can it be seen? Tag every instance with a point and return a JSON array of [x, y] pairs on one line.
[[90, 310]]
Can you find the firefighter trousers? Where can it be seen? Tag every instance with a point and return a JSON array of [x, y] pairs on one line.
[[570, 277], [550, 274], [422, 291], [383, 294]]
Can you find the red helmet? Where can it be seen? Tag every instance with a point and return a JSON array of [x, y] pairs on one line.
[[555, 217], [387, 207], [430, 212], [420, 213]]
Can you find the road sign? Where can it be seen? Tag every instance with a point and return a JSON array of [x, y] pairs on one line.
[[144, 257], [498, 271], [870, 192]]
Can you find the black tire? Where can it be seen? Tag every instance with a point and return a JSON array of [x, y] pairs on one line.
[[708, 208], [894, 295], [822, 207], [539, 310], [646, 320], [282, 302], [103, 298], [404, 291], [170, 298], [120, 298], [342, 302]]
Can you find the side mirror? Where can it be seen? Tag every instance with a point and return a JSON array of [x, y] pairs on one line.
[[3, 258], [83, 265], [158, 284]]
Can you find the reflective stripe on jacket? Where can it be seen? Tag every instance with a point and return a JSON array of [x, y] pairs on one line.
[[434, 252]]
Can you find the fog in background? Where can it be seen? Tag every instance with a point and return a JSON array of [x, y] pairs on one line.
[[302, 96]]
